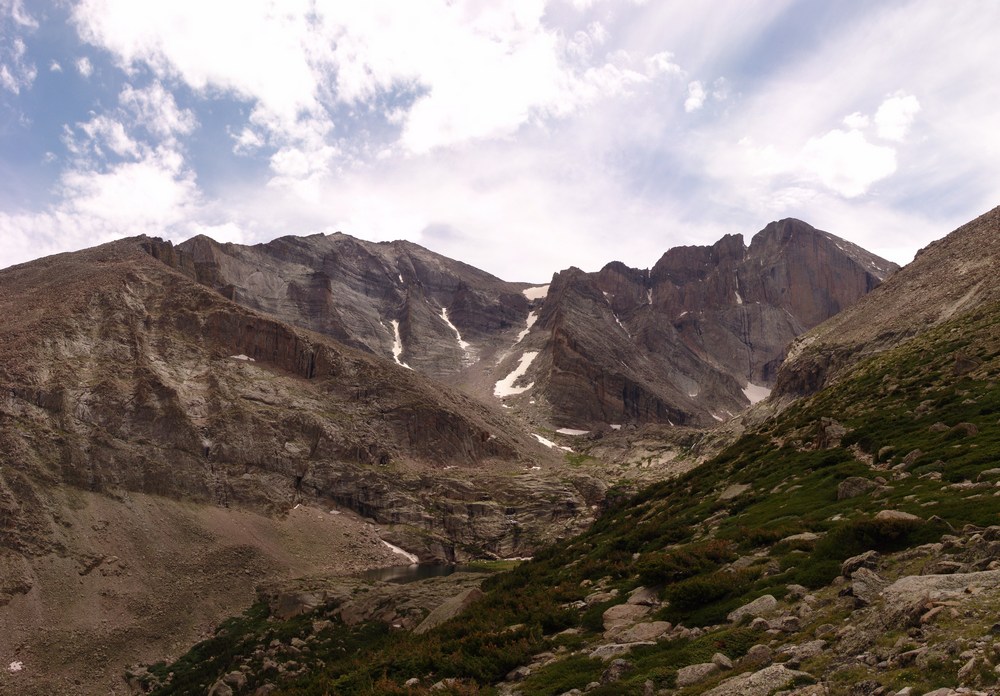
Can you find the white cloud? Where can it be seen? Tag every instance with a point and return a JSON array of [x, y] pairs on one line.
[[476, 70], [895, 116], [154, 108], [84, 66], [246, 142], [15, 10], [147, 196], [857, 121], [15, 73], [55, 67], [696, 96], [845, 162], [104, 132]]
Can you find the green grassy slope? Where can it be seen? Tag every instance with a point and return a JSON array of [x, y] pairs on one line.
[[921, 424]]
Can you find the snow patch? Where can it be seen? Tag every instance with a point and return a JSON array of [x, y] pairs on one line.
[[242, 357], [505, 387], [395, 549], [15, 667], [572, 431], [621, 325], [548, 443], [739, 300], [532, 318], [718, 418], [461, 344], [401, 281], [616, 426], [649, 296], [536, 293], [756, 392], [397, 345]]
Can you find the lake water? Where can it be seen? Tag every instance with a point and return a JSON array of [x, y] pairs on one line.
[[417, 571]]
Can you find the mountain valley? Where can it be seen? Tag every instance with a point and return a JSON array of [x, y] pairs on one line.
[[266, 421]]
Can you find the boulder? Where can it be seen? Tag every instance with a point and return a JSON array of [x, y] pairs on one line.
[[867, 585], [868, 559], [693, 674], [611, 650], [618, 669], [648, 631], [645, 596], [757, 656], [853, 486], [622, 616], [722, 661], [450, 609], [896, 516], [758, 607], [762, 683]]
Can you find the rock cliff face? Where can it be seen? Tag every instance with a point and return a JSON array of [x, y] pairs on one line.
[[953, 275], [698, 337], [693, 340], [394, 299], [120, 375]]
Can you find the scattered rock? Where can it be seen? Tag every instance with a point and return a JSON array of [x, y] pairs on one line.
[[693, 674], [853, 486], [722, 661], [758, 607], [612, 650], [868, 559], [762, 683], [616, 671]]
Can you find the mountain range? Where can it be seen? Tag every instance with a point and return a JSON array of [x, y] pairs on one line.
[[239, 415]]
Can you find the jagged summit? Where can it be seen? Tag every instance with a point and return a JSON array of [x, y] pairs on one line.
[[692, 340], [950, 276], [700, 335]]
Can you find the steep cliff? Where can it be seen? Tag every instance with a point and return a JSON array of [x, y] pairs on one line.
[[693, 340], [394, 299], [698, 337], [953, 275]]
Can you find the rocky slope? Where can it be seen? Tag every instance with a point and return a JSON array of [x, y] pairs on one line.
[[124, 382], [393, 299], [846, 546], [693, 340], [953, 275], [697, 338]]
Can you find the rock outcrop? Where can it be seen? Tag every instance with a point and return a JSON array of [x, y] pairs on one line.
[[698, 337], [953, 275]]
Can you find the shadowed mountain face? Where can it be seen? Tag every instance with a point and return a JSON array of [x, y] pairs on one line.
[[698, 337], [951, 276], [694, 340], [120, 374], [395, 299]]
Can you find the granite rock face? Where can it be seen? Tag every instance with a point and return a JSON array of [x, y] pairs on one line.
[[953, 275], [393, 299], [120, 374], [692, 341], [698, 337]]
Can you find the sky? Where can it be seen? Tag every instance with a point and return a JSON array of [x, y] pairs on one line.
[[521, 137]]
